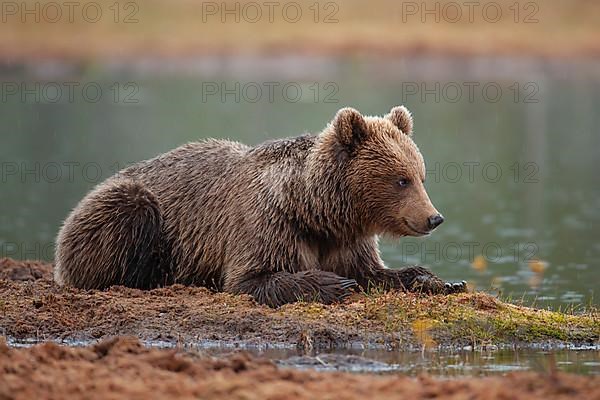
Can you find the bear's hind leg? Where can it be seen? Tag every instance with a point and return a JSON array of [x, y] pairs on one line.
[[113, 237]]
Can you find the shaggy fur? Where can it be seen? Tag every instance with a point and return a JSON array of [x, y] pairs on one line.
[[286, 220]]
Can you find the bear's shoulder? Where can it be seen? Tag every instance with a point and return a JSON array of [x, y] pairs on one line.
[[288, 148]]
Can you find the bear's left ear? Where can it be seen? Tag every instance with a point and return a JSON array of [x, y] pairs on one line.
[[400, 116], [350, 127]]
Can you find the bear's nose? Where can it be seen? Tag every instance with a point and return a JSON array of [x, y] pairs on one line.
[[434, 221]]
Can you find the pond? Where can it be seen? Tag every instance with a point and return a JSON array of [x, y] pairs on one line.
[[512, 149]]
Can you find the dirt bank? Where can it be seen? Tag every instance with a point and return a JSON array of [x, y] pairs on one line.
[[33, 307], [123, 368]]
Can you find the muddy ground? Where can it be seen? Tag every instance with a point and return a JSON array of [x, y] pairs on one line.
[[33, 307], [124, 368]]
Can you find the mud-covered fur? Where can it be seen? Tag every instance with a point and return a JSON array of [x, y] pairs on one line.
[[286, 220]]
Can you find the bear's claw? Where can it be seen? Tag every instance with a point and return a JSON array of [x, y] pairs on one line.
[[455, 287], [348, 283], [332, 288], [345, 288], [348, 286]]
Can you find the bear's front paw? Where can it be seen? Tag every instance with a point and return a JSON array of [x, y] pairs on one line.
[[421, 280], [427, 283]]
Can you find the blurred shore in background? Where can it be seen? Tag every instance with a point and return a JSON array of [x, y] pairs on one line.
[[107, 30]]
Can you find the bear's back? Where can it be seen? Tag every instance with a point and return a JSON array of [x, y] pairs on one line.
[[192, 168]]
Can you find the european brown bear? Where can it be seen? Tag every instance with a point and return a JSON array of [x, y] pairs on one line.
[[286, 220]]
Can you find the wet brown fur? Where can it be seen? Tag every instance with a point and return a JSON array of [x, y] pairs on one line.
[[286, 220]]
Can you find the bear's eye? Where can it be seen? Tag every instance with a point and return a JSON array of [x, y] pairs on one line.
[[403, 182]]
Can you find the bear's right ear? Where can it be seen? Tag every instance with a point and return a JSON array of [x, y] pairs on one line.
[[350, 127]]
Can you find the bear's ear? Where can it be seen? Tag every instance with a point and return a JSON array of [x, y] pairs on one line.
[[400, 116], [350, 127]]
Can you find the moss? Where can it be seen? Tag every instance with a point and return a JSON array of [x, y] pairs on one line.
[[508, 323], [467, 319]]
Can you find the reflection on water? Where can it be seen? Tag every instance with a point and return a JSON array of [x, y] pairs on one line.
[[450, 364], [512, 163]]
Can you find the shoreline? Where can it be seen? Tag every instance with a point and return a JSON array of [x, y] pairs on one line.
[[298, 66]]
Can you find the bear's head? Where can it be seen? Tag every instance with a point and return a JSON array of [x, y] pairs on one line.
[[384, 171]]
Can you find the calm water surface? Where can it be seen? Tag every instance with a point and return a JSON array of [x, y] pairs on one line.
[[512, 150]]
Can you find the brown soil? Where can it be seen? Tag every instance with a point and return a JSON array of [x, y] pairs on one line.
[[24, 270], [32, 306], [123, 368]]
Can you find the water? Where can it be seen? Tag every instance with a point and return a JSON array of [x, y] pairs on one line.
[[515, 175], [451, 364], [442, 363]]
